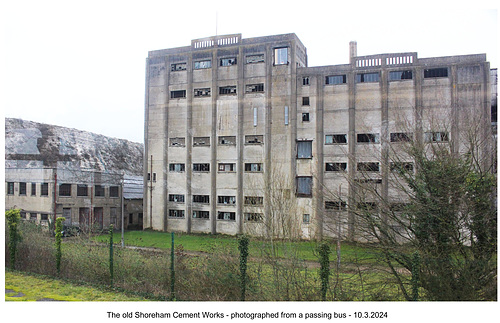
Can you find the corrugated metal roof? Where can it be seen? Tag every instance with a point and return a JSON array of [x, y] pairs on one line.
[[133, 187]]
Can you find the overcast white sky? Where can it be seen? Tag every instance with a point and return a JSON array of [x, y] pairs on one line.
[[81, 64]]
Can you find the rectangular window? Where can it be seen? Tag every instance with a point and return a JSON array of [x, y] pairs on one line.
[[228, 61], [335, 167], [33, 189], [305, 117], [252, 59], [99, 190], [45, 189], [281, 56], [113, 211], [22, 188], [401, 136], [305, 100], [176, 213], [335, 139], [65, 190], [400, 75], [254, 140], [227, 167], [202, 92], [305, 80], [304, 149], [222, 199], [304, 186], [201, 199], [253, 217], [178, 142], [255, 117], [402, 167], [33, 216], [154, 177], [10, 188], [368, 167], [254, 200], [176, 198], [201, 141], [227, 140], [230, 216], [286, 116], [335, 205], [178, 94], [227, 90], [436, 136], [253, 167], [176, 167], [82, 190], [113, 191], [178, 67], [201, 214], [252, 88], [44, 217], [335, 79], [202, 64], [373, 138], [131, 218], [436, 72], [306, 218], [367, 77], [201, 167]]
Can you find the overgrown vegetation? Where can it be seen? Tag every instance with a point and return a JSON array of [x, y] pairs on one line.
[[13, 218], [58, 235]]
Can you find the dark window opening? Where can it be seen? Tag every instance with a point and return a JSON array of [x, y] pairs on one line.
[[201, 167], [10, 188], [400, 75], [226, 167], [176, 213], [230, 216], [179, 94], [201, 199], [436, 72], [178, 67], [401, 137], [99, 190], [335, 167], [253, 217], [305, 100], [22, 188], [304, 186], [227, 140], [253, 167], [176, 167], [336, 139], [305, 117], [131, 218], [201, 214], [250, 88], [254, 139], [368, 167], [65, 190], [228, 61], [226, 199], [33, 189], [227, 90], [202, 92], [335, 205], [254, 200], [178, 142], [82, 190], [367, 77], [113, 191], [335, 79], [368, 137], [176, 198], [305, 80], [45, 189]]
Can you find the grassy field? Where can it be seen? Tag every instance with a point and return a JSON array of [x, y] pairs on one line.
[[38, 287]]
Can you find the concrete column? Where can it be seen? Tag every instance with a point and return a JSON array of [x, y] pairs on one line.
[[351, 165], [189, 143], [320, 161], [213, 148], [240, 90]]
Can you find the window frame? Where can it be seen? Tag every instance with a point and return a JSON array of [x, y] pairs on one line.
[[197, 65], [301, 193], [66, 191], [79, 188], [367, 77], [221, 215], [336, 142], [203, 214], [177, 167], [305, 156], [201, 167], [10, 188], [371, 138], [176, 214], [278, 55], [335, 79], [336, 166]]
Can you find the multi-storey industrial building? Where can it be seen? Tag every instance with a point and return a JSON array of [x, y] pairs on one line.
[[231, 121]]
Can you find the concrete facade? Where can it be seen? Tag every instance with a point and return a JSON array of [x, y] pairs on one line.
[[227, 118]]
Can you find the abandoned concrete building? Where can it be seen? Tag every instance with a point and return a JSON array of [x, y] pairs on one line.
[[231, 121]]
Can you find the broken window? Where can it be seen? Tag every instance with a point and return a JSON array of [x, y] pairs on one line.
[[368, 137], [402, 167], [227, 90], [436, 72], [281, 56], [178, 67], [178, 142], [254, 200], [65, 190], [252, 59], [304, 149], [202, 64], [306, 218], [176, 213], [231, 216], [227, 167], [253, 217], [436, 136], [176, 167], [335, 167], [335, 79], [201, 167], [254, 139], [222, 199], [401, 136], [253, 167], [367, 77], [22, 188], [10, 188], [176, 198], [335, 205], [82, 190], [250, 88], [305, 117], [227, 140], [202, 92], [201, 141], [33, 189], [305, 80], [99, 190], [201, 199], [305, 100], [304, 186], [368, 167], [336, 139], [400, 75], [228, 61], [113, 191], [45, 189], [201, 214]]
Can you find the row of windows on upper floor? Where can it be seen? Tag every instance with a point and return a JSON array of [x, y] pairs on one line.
[[221, 215], [82, 190], [223, 90]]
